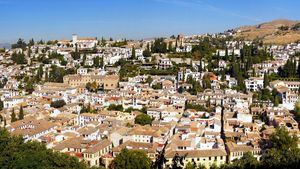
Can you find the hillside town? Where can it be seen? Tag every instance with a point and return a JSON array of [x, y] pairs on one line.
[[204, 99]]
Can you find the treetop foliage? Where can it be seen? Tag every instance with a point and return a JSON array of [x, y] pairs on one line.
[[14, 153]]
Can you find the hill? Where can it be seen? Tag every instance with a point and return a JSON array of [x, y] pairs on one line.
[[274, 32], [5, 45]]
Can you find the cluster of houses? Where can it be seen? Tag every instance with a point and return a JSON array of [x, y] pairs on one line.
[[213, 127]]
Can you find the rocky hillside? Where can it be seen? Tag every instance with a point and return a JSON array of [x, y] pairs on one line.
[[274, 32]]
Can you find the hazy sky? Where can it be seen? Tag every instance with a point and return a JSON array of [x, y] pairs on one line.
[[58, 19]]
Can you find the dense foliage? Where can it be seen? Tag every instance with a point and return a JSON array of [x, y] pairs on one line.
[[18, 58], [114, 107], [290, 69], [20, 44], [159, 46], [131, 159], [57, 74], [282, 152], [14, 153], [58, 103], [143, 119]]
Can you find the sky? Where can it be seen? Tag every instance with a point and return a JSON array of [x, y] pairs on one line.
[[134, 19]]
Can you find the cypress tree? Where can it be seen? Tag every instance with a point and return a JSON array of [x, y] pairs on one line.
[[226, 53], [97, 62], [40, 73], [276, 101], [21, 113], [46, 76], [13, 116], [298, 69], [266, 80], [233, 56], [101, 62], [253, 72], [133, 55]]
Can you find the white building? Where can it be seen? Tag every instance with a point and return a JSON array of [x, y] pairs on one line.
[[164, 63], [84, 42], [11, 102], [82, 71], [254, 83]]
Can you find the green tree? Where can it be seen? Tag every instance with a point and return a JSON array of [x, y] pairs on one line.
[[281, 140], [94, 86], [190, 165], [58, 103], [14, 153], [18, 58], [206, 83], [147, 53], [21, 113], [31, 42], [20, 44], [75, 55], [131, 159], [157, 86], [298, 68], [114, 107], [159, 46], [276, 101], [83, 60], [133, 54], [223, 75], [96, 62], [1, 105], [248, 161], [4, 122], [266, 80], [101, 62], [283, 151], [297, 110], [40, 73], [288, 70], [103, 41], [88, 86], [29, 86], [13, 117], [201, 166], [56, 74], [144, 109], [149, 80], [143, 119], [46, 76]]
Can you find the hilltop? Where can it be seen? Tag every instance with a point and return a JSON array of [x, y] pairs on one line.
[[275, 32], [5, 45]]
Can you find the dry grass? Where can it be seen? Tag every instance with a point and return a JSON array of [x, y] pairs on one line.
[[269, 32], [287, 38]]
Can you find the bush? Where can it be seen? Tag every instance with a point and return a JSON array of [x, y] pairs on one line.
[[58, 103], [143, 119], [114, 107]]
